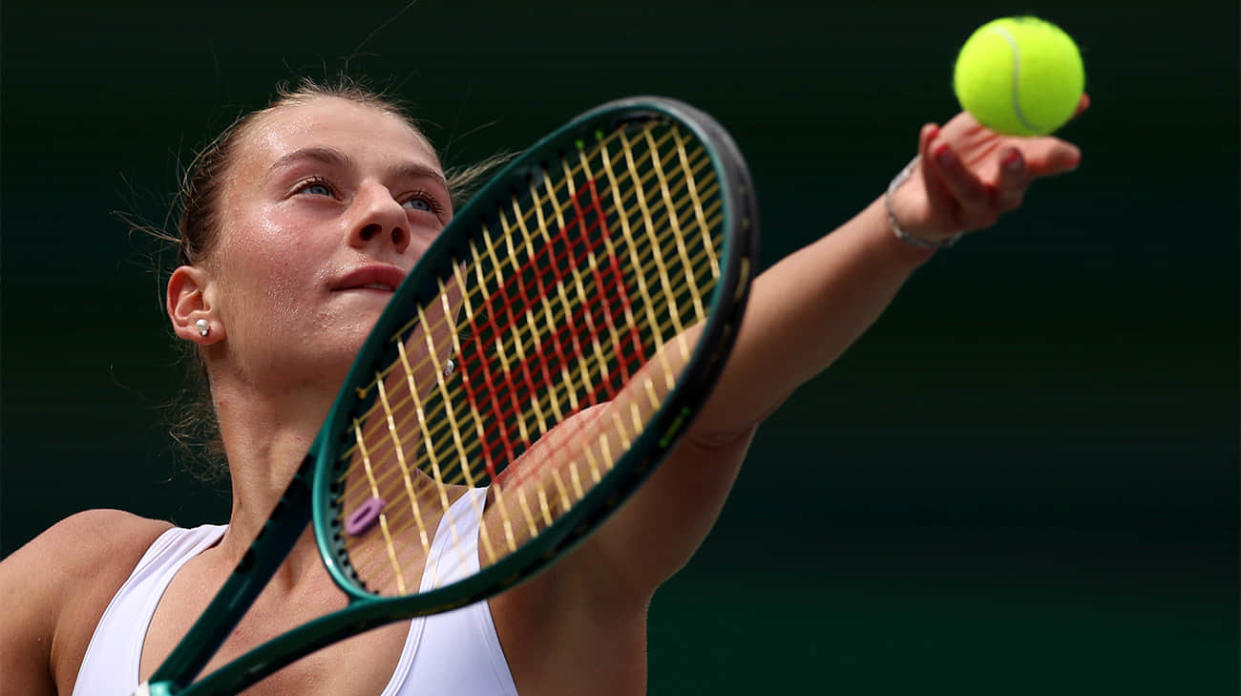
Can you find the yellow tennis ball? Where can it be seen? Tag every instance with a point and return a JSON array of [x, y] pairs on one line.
[[1019, 75]]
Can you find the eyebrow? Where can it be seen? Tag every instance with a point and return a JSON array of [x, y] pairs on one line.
[[333, 157]]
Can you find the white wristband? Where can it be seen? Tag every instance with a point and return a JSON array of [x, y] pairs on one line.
[[901, 234]]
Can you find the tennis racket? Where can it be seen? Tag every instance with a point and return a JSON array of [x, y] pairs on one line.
[[550, 347]]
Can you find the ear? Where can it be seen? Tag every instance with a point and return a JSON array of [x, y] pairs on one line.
[[188, 303]]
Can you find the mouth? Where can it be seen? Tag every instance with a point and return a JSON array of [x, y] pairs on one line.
[[370, 278]]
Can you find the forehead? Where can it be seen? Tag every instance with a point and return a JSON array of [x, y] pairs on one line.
[[365, 133]]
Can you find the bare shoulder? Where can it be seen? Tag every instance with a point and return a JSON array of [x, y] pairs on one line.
[[89, 542], [55, 588]]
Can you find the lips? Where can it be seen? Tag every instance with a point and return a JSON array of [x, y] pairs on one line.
[[380, 277]]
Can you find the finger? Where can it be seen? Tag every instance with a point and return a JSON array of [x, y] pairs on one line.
[[926, 135], [1082, 105], [964, 128], [1049, 156], [967, 190], [1014, 179], [939, 198]]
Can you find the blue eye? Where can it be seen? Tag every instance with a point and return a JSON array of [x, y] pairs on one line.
[[316, 186], [417, 203]]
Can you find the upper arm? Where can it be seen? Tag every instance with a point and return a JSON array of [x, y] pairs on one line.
[[54, 589], [28, 620], [653, 534], [594, 601]]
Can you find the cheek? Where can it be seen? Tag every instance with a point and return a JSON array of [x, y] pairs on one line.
[[421, 238], [273, 269]]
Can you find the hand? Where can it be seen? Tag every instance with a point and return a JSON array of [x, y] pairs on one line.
[[967, 175]]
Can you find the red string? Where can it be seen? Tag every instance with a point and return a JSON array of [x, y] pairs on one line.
[[503, 400]]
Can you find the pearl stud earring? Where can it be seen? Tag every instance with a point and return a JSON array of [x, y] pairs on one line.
[[203, 327]]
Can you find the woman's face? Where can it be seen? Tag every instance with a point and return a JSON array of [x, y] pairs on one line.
[[326, 206]]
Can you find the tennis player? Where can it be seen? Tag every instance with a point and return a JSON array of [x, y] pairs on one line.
[[298, 223]]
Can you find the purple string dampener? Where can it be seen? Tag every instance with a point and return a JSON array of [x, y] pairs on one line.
[[364, 517]]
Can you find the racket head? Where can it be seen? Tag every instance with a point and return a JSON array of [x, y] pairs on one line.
[[434, 318]]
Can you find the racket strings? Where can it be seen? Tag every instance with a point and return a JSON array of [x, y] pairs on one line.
[[700, 156], [589, 370], [713, 210], [526, 506], [497, 268], [432, 434], [523, 341], [559, 325], [530, 523], [399, 477]]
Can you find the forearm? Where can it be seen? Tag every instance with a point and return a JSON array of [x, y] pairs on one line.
[[803, 313]]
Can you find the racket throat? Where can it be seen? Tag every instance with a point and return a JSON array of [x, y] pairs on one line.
[[266, 554]]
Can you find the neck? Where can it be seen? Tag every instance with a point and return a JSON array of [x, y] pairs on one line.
[[266, 438]]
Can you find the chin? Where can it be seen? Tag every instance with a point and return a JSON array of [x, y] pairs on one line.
[[353, 339], [339, 340]]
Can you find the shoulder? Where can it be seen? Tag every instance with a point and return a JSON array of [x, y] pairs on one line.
[[90, 542], [55, 588]]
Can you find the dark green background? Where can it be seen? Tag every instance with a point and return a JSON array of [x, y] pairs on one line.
[[1023, 480]]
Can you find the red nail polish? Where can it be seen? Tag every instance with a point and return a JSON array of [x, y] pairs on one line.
[[1012, 161], [944, 155]]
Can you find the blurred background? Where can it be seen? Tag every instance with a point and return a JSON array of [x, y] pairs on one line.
[[1023, 480]]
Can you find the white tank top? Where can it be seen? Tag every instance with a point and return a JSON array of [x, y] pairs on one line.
[[457, 652]]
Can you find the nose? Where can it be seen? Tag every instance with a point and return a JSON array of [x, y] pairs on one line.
[[380, 220]]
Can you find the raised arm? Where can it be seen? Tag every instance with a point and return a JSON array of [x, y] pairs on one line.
[[811, 306], [803, 313]]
